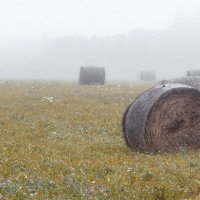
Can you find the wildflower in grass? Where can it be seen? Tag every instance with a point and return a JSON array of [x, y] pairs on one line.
[[129, 170], [50, 99]]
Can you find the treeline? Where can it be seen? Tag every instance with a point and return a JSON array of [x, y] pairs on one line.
[[178, 45], [176, 48]]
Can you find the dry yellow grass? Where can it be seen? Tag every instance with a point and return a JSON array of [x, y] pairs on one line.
[[63, 141]]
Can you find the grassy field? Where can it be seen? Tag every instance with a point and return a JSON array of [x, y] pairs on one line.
[[63, 141]]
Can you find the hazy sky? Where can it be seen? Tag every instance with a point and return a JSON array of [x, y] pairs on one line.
[[51, 18]]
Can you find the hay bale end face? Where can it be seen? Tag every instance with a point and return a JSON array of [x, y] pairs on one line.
[[164, 118], [148, 75], [192, 81], [92, 76], [195, 72]]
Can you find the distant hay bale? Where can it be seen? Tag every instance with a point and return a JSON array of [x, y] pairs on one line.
[[148, 75], [92, 76], [191, 81], [195, 72], [164, 118]]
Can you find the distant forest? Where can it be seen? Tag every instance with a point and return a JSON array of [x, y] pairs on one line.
[[176, 48]]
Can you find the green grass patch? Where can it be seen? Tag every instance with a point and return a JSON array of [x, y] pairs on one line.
[[63, 141]]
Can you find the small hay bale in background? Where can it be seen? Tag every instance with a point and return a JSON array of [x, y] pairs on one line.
[[164, 118], [190, 80], [92, 76], [195, 72], [148, 75]]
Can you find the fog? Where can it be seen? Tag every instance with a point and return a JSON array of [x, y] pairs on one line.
[[51, 39]]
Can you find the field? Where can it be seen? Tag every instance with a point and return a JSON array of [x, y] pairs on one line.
[[63, 141]]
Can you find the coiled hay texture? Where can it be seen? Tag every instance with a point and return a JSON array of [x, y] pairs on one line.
[[165, 118], [148, 75], [92, 76], [195, 72], [193, 81]]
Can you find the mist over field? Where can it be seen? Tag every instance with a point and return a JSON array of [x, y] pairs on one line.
[[82, 114], [52, 39]]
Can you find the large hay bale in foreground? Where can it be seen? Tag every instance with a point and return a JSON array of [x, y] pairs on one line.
[[191, 81], [164, 118], [195, 72], [148, 75], [92, 75]]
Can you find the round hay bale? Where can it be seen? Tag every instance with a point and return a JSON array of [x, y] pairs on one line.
[[164, 118], [195, 72], [148, 75], [191, 81], [92, 76]]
